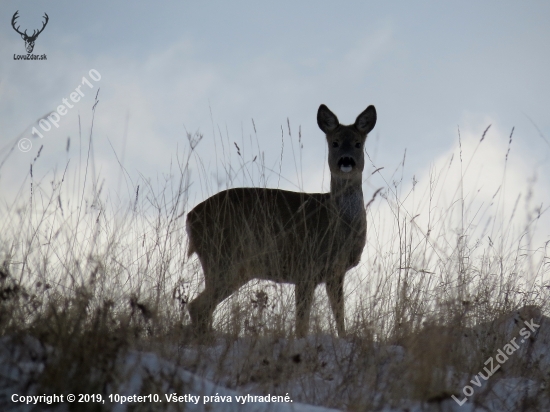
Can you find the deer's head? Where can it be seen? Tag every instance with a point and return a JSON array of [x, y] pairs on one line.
[[29, 40], [345, 143]]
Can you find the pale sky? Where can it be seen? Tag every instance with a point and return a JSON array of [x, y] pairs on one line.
[[429, 67]]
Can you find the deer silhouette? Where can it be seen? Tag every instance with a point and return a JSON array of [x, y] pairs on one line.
[[29, 40], [289, 237]]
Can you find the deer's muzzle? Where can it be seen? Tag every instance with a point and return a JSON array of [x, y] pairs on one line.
[[346, 164]]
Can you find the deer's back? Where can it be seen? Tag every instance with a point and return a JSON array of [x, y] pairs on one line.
[[275, 234]]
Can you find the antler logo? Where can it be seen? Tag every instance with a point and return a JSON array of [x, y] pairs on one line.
[[29, 40]]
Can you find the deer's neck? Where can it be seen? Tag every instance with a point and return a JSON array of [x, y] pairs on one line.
[[347, 197]]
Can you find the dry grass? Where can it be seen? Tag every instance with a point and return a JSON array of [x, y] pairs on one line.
[[89, 281]]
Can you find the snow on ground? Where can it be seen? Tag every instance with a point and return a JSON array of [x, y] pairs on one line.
[[214, 397], [320, 370], [22, 362]]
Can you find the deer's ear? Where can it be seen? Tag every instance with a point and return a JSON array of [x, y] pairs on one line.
[[365, 121], [326, 120]]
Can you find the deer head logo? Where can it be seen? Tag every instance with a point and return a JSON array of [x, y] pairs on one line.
[[29, 40]]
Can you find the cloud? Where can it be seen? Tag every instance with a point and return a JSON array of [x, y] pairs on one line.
[[483, 187]]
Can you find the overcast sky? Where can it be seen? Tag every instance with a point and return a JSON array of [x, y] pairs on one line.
[[429, 68]]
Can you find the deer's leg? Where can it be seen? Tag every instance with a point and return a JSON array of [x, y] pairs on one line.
[[202, 308], [303, 294], [335, 292], [198, 310]]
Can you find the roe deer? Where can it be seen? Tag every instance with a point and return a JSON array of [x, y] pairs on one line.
[[301, 238]]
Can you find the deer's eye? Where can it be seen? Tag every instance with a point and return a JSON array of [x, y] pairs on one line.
[[335, 144], [358, 145]]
